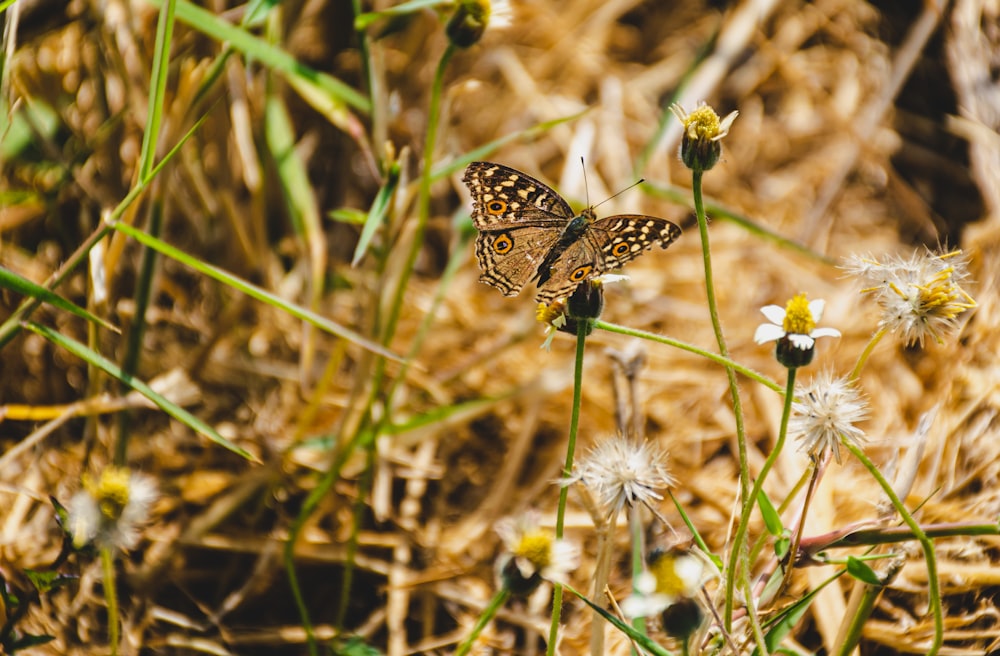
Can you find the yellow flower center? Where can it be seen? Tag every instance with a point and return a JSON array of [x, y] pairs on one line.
[[535, 547], [667, 581], [798, 319], [551, 314], [702, 123], [111, 491]]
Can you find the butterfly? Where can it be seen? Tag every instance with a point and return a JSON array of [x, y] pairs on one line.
[[529, 232]]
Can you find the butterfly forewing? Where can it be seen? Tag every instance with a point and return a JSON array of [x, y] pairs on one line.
[[503, 196], [606, 245]]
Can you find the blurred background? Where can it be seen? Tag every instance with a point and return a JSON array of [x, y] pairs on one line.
[[863, 128]]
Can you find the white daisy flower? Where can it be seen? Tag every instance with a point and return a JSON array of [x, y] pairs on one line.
[[111, 510], [796, 322], [532, 554]]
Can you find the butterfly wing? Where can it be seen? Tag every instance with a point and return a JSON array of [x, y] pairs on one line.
[[510, 257], [519, 220], [502, 197], [607, 244]]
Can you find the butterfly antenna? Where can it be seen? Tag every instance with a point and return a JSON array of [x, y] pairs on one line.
[[586, 187], [634, 184]]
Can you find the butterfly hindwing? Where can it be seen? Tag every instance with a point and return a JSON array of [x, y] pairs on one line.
[[510, 257]]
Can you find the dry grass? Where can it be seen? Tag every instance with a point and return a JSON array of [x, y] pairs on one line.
[[862, 129]]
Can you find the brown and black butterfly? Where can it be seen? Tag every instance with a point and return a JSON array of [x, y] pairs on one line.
[[529, 232]]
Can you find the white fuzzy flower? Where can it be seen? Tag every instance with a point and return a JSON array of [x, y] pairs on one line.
[[921, 296], [111, 510], [826, 413], [621, 471]]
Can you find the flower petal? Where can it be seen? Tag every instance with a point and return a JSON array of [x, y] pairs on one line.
[[816, 309], [774, 313], [824, 332], [801, 342], [768, 332]]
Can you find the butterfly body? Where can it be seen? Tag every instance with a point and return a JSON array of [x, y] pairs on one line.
[[529, 232]]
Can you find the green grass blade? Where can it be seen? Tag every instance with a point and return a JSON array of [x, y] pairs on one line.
[[157, 88], [640, 639], [786, 621], [14, 282], [96, 359], [254, 291], [696, 534], [772, 520], [12, 325], [377, 213], [337, 94], [364, 20]]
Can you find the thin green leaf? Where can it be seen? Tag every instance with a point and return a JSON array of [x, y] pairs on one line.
[[789, 617], [22, 128], [255, 292], [315, 83], [377, 213], [292, 172], [96, 359], [29, 640], [640, 639], [257, 11], [157, 88], [363, 21], [48, 580], [694, 532], [12, 325], [12, 281], [348, 215], [862, 572], [772, 520], [447, 168]]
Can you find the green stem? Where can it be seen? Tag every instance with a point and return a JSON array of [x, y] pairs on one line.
[[111, 597], [743, 528], [863, 358], [690, 348], [424, 196], [741, 438], [496, 603], [930, 558], [388, 329], [133, 348], [583, 326], [638, 548]]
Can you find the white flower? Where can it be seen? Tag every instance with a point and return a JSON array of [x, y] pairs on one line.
[[534, 553], [921, 296], [796, 321], [111, 510], [501, 14], [826, 413], [622, 471], [672, 575]]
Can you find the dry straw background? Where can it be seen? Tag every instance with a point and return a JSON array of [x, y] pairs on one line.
[[863, 128]]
